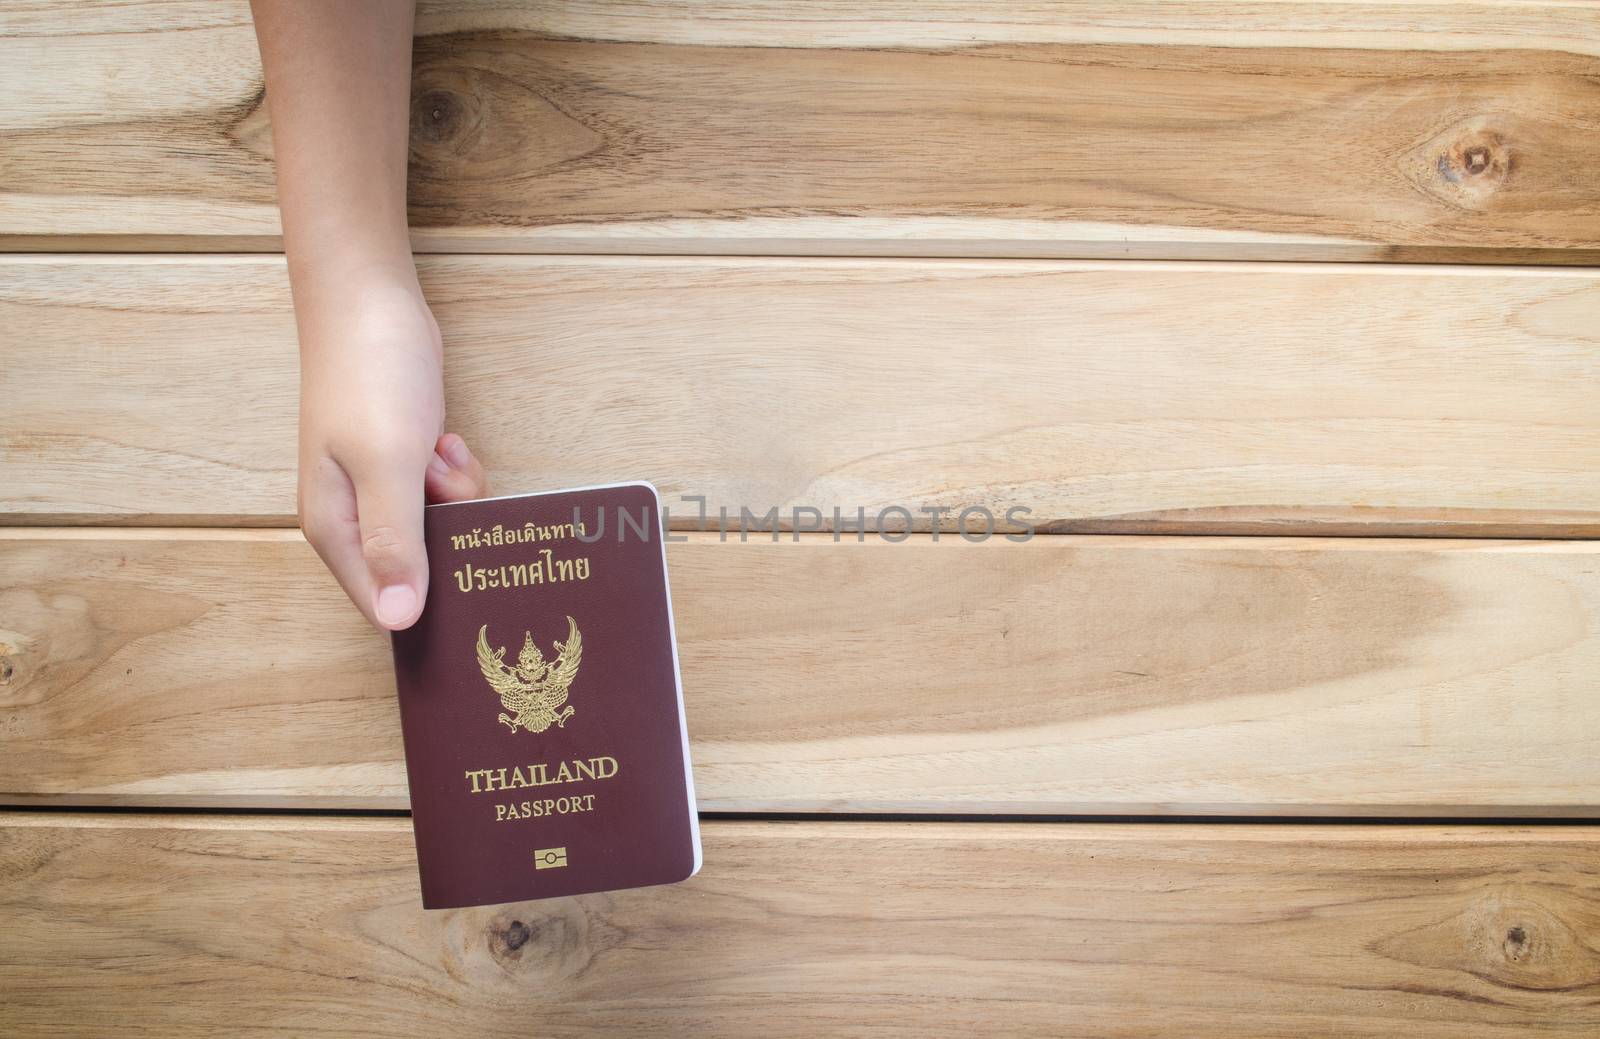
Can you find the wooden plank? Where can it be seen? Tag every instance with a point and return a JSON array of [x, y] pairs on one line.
[[1102, 397], [1061, 675], [178, 926], [1293, 130]]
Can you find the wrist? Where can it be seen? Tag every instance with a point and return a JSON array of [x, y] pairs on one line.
[[331, 290], [338, 276]]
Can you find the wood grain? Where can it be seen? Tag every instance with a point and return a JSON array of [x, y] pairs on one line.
[[180, 926], [1061, 675], [1100, 396], [1298, 130]]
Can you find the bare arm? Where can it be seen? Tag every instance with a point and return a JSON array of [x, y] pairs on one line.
[[372, 443], [339, 87]]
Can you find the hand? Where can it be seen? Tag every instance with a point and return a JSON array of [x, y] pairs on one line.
[[372, 444]]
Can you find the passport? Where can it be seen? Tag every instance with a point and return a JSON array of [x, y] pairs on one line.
[[540, 701]]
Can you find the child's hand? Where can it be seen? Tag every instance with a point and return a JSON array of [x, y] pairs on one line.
[[372, 442]]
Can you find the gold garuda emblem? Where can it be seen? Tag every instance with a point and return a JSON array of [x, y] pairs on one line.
[[534, 690]]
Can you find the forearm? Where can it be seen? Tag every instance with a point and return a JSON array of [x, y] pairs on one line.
[[338, 88]]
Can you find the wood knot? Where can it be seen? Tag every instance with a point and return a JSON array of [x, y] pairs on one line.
[[1515, 939], [438, 115], [517, 935], [485, 111], [1480, 154], [7, 668], [554, 940], [1470, 163], [508, 938]]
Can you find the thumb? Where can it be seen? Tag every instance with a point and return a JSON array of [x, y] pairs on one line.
[[454, 473], [389, 500]]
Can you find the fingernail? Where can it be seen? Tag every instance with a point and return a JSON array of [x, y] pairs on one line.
[[395, 603], [456, 453]]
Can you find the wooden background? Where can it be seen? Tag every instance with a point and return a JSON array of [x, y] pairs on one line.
[[1279, 318]]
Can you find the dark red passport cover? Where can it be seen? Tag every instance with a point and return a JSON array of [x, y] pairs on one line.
[[540, 701]]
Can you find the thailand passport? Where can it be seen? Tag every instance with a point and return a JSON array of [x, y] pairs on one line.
[[540, 702]]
